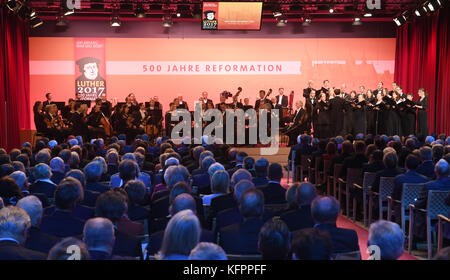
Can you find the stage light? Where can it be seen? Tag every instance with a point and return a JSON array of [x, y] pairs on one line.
[[12, 5], [35, 22], [331, 10], [61, 21], [306, 21], [178, 15], [434, 5], [33, 14], [368, 14], [277, 14], [167, 21], [418, 12], [430, 7], [281, 21], [140, 11], [115, 21]]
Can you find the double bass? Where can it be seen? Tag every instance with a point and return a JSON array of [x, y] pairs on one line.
[[106, 125]]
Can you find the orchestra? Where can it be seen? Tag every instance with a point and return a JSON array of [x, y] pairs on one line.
[[325, 113]]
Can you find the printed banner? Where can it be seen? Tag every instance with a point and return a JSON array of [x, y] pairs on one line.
[[90, 69]]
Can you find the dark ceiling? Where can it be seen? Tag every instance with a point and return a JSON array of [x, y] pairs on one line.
[[316, 9]]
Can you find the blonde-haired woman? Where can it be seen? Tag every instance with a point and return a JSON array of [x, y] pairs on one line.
[[181, 236]]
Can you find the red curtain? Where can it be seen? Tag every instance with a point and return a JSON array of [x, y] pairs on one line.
[[14, 80], [422, 60]]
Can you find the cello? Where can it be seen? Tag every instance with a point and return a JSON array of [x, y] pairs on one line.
[[106, 125]]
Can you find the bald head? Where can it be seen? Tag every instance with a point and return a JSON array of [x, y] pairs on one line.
[[98, 234], [182, 202], [325, 209], [305, 194]]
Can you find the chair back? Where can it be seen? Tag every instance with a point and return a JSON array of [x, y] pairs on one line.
[[355, 255], [354, 176], [410, 192], [436, 204], [305, 161], [386, 187], [326, 167], [244, 257], [275, 207], [337, 170], [369, 179]]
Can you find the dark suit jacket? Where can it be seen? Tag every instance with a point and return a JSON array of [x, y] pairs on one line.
[[373, 167], [90, 198], [43, 187], [233, 216], [97, 187], [81, 212], [273, 193], [260, 181], [10, 250], [62, 224], [138, 212], [409, 176], [355, 161], [220, 203], [57, 177], [39, 241], [241, 238], [387, 172], [284, 100], [426, 169], [102, 256], [343, 240], [156, 239], [234, 169], [299, 218], [127, 245]]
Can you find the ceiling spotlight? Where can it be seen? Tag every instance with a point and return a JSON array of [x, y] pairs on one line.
[[167, 21], [430, 7], [35, 22], [331, 10], [368, 14], [33, 14], [277, 13], [306, 21], [115, 21], [140, 11], [61, 21], [69, 12], [12, 5], [357, 21], [178, 15]]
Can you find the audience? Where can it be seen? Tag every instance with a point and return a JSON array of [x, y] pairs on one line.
[[389, 238], [312, 244], [207, 251], [274, 240]]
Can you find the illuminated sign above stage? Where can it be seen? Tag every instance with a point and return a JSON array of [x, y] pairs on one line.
[[231, 15]]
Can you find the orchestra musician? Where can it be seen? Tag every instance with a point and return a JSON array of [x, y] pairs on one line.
[[131, 103], [105, 105], [299, 124], [262, 100], [182, 104], [39, 122], [79, 121], [281, 99], [307, 91], [49, 101], [95, 127], [204, 98]]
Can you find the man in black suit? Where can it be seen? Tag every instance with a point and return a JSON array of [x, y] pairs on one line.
[[390, 170], [273, 191], [301, 218], [355, 161], [261, 169], [243, 238], [205, 99], [113, 205], [37, 240], [105, 105], [274, 240], [93, 172], [42, 183], [325, 211], [442, 183], [62, 222], [337, 113], [299, 123], [427, 166], [14, 226], [282, 100], [325, 89], [307, 91], [182, 104], [375, 163], [262, 100], [49, 101], [79, 122], [239, 161]]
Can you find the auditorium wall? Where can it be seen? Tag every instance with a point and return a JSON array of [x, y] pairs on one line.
[[140, 58]]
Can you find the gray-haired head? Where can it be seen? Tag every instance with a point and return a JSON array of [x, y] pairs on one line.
[[241, 187], [215, 167], [98, 234], [33, 206], [208, 251], [93, 171], [182, 202], [18, 166], [129, 156], [43, 156], [177, 174], [42, 171], [389, 237], [325, 209], [57, 165], [14, 223], [305, 194], [20, 178], [441, 169], [240, 174]]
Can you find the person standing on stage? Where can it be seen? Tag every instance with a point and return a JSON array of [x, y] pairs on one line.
[[359, 115], [310, 104], [348, 116], [409, 115], [49, 101], [323, 117], [205, 100], [422, 117], [379, 108], [281, 99], [379, 89], [325, 89], [105, 105], [337, 113], [307, 91], [395, 114], [370, 114]]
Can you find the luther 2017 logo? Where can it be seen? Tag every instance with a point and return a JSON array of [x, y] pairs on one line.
[[210, 21]]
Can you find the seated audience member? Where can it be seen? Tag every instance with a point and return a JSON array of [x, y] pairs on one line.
[[181, 202], [182, 234], [193, 163], [427, 166], [89, 197], [301, 217], [355, 161], [391, 170], [261, 169], [290, 199], [442, 183], [21, 180], [112, 160], [273, 191], [14, 226], [66, 156], [6, 169], [202, 180], [215, 167], [243, 238], [125, 224], [443, 255], [347, 149], [128, 170], [113, 205], [136, 194], [410, 176], [207, 251], [389, 237], [203, 169], [240, 156], [37, 240], [312, 244], [42, 182], [62, 222], [274, 240], [249, 164], [18, 166], [219, 186], [325, 211], [375, 163], [62, 250], [93, 172], [9, 191], [58, 170], [227, 201], [105, 176], [98, 235]]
